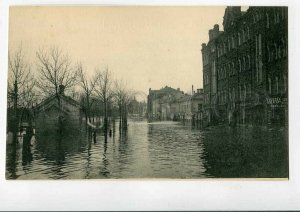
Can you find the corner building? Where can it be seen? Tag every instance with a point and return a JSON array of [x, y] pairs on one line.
[[245, 68]]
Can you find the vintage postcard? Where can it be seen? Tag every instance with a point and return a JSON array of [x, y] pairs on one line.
[[115, 92]]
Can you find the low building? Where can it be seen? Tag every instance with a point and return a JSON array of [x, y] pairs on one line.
[[185, 108], [48, 114], [197, 108], [188, 108]]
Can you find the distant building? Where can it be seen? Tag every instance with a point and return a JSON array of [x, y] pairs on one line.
[[245, 67], [197, 107], [188, 108], [158, 101], [47, 114], [172, 104]]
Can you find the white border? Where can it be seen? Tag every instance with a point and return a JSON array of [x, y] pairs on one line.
[[157, 194]]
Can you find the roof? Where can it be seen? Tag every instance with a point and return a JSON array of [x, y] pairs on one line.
[[47, 102]]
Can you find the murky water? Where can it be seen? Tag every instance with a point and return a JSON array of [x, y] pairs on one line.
[[154, 150]]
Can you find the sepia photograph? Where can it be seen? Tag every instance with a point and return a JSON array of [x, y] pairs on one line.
[[147, 92]]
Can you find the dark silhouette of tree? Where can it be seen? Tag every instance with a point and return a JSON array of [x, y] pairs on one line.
[[56, 74], [104, 91], [88, 87], [123, 97], [20, 87]]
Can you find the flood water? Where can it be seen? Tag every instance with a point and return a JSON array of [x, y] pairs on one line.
[[154, 150]]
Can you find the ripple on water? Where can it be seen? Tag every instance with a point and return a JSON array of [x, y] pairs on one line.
[[159, 149]]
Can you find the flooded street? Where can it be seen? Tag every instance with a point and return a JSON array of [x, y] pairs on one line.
[[154, 150]]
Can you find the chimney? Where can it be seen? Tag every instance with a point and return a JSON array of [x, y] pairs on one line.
[[235, 10], [203, 45], [210, 34], [61, 90], [192, 89], [216, 31], [216, 27]]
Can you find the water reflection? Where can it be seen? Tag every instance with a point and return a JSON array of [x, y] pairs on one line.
[[151, 150], [246, 152]]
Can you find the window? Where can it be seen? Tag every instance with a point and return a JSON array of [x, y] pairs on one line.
[[286, 47], [248, 33], [232, 66], [284, 83], [214, 77], [283, 47], [283, 13], [278, 15], [277, 85], [240, 65], [270, 85], [233, 94], [232, 40], [240, 90], [249, 90], [279, 51], [245, 91], [199, 107], [239, 39], [276, 51], [249, 62], [267, 20], [258, 58], [269, 53], [244, 63]]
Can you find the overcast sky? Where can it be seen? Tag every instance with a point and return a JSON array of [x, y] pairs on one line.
[[145, 46]]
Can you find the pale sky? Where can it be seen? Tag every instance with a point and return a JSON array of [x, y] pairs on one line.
[[145, 46]]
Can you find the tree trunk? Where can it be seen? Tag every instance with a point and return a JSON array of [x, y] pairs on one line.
[[15, 115], [125, 118], [120, 120], [60, 116], [105, 116], [88, 109]]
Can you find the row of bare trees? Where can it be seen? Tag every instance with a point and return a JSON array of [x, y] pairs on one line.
[[54, 73]]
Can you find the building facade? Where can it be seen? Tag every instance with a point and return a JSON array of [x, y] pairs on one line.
[[245, 68], [48, 113], [173, 104], [159, 103]]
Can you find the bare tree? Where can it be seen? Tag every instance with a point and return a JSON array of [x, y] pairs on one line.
[[122, 97], [104, 91], [88, 87], [56, 73], [20, 87]]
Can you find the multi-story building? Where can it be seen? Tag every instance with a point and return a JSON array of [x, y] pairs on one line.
[[245, 67]]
